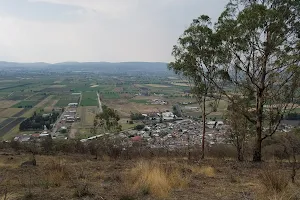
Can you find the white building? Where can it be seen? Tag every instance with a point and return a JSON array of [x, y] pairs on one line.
[[73, 104]]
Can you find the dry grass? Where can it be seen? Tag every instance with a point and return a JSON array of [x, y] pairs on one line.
[[180, 84], [56, 173], [274, 180], [7, 103], [204, 170], [155, 179], [9, 112], [57, 86], [87, 115], [158, 85], [81, 177]]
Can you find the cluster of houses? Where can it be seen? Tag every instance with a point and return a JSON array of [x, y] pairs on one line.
[[172, 135], [59, 130], [159, 102]]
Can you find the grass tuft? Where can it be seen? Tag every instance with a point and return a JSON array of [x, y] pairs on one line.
[[155, 179], [273, 180], [56, 172], [204, 170]]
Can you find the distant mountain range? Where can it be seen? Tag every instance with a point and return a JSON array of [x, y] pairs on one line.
[[105, 67]]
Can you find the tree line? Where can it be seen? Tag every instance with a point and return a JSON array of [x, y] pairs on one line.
[[38, 121]]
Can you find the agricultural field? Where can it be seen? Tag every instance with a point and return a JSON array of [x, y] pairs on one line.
[[110, 95], [89, 99], [157, 85], [10, 126], [20, 98], [25, 104], [37, 97], [218, 114], [64, 100], [87, 114], [7, 103], [10, 112], [57, 86], [142, 101]]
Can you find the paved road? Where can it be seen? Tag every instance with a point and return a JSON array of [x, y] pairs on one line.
[[99, 102], [55, 128]]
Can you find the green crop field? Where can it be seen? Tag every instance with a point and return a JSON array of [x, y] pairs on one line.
[[143, 101], [113, 95], [64, 100], [89, 99], [24, 104]]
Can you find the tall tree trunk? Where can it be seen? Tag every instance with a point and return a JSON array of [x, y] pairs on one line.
[[203, 128], [240, 149], [259, 127]]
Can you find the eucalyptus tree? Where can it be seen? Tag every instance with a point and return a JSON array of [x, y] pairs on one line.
[[255, 48], [195, 59], [261, 39]]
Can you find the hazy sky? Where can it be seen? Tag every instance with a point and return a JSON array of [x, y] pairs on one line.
[[96, 30]]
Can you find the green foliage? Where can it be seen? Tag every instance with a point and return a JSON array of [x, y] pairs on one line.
[[137, 116], [37, 121], [139, 127], [25, 104], [107, 121], [89, 99], [253, 48]]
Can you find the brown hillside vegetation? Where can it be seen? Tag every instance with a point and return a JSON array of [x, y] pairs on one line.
[[82, 177]]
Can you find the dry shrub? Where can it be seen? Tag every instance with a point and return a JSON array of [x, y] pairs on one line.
[[82, 190], [155, 179], [56, 172], [222, 151], [285, 196], [204, 170], [274, 180]]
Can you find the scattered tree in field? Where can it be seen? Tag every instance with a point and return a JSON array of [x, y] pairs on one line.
[[137, 116], [196, 58], [255, 50], [108, 120]]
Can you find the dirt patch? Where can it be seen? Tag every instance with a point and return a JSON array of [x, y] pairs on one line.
[[125, 107], [181, 84], [57, 86], [87, 115], [9, 112], [7, 103], [118, 89], [50, 105], [158, 85]]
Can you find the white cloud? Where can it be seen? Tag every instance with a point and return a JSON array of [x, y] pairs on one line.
[[112, 8], [143, 31], [31, 41]]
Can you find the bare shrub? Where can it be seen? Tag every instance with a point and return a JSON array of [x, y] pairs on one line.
[[56, 172], [274, 180], [82, 190], [222, 151], [80, 182]]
